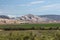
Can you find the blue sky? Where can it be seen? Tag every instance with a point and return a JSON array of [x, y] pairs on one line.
[[23, 7]]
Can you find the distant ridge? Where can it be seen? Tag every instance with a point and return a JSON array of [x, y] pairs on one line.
[[53, 17], [32, 18], [4, 17]]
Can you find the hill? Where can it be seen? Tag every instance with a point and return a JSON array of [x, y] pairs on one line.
[[52, 17], [32, 18], [4, 17]]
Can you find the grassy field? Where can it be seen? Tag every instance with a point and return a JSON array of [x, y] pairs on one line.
[[31, 26], [30, 35], [33, 34]]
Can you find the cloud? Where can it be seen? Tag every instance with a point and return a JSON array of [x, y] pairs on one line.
[[36, 2], [32, 3], [51, 7], [12, 16]]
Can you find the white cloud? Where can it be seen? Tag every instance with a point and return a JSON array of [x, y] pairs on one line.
[[12, 16], [24, 5], [53, 6], [48, 8], [32, 3], [36, 2]]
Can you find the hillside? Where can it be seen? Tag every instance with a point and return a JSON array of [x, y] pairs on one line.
[[32, 18], [52, 17], [4, 17]]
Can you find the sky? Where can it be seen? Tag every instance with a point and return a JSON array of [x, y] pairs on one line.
[[23, 7]]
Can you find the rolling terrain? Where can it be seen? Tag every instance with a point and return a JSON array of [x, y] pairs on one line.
[[52, 17], [30, 18], [32, 30]]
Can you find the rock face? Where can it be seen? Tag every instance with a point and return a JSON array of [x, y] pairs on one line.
[[33, 18], [10, 21], [7, 20]]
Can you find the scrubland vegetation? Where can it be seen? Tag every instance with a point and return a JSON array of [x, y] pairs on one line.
[[30, 31], [30, 35]]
